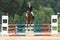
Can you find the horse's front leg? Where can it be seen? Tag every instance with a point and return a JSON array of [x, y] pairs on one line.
[[30, 23]]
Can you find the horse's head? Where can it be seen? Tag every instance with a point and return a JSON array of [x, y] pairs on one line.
[[28, 11], [29, 17]]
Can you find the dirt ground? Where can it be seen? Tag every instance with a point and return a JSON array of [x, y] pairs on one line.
[[31, 37]]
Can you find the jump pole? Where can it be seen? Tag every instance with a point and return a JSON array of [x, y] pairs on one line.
[[54, 24], [20, 29], [33, 33], [4, 27]]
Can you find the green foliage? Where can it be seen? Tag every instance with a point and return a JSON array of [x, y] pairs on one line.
[[12, 6], [59, 20], [59, 24], [43, 15], [42, 9], [59, 27]]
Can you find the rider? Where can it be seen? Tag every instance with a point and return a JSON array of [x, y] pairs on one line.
[[29, 8]]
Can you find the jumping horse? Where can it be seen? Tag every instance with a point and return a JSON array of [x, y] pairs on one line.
[[29, 18]]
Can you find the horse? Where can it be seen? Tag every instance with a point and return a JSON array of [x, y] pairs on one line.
[[29, 18]]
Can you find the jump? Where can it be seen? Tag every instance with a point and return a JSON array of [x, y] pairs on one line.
[[29, 15]]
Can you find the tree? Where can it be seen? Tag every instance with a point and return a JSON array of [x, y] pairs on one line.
[[59, 24], [43, 15]]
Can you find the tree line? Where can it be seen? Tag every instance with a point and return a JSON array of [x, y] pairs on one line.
[[42, 9]]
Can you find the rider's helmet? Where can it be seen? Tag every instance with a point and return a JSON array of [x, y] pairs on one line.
[[29, 7]]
